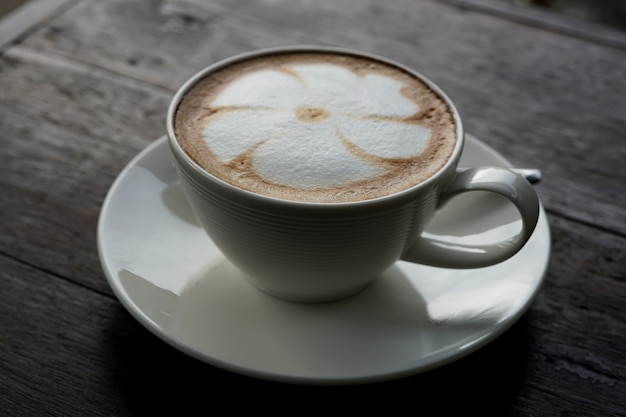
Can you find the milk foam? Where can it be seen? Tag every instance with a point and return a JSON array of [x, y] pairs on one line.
[[313, 128]]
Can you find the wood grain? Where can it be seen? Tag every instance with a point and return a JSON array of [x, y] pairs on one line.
[[70, 344], [84, 90], [532, 94], [26, 15], [67, 131]]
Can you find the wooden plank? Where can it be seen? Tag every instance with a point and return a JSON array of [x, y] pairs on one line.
[[73, 348], [81, 98], [54, 361], [534, 95], [66, 133], [162, 43], [579, 325], [546, 19], [82, 124], [83, 95], [7, 6], [27, 17]]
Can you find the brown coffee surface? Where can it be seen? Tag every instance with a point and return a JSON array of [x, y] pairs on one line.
[[316, 127]]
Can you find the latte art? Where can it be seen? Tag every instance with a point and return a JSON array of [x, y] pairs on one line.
[[316, 127]]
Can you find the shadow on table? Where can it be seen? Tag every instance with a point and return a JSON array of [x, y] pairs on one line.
[[608, 12], [156, 378]]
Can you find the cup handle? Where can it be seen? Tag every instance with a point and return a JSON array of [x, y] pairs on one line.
[[435, 252]]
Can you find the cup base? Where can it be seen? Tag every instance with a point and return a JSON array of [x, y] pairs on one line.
[[308, 299]]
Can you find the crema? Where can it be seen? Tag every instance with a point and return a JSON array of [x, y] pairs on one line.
[[316, 127]]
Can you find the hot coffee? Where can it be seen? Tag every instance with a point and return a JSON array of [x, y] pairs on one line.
[[316, 127], [325, 125]]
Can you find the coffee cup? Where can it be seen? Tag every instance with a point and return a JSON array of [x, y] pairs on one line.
[[314, 169]]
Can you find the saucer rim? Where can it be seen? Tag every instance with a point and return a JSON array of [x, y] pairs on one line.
[[434, 361]]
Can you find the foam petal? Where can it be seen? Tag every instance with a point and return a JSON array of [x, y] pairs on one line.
[[266, 88], [384, 138], [328, 85], [378, 95], [316, 156], [236, 131]]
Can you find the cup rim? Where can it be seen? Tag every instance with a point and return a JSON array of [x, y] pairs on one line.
[[407, 193]]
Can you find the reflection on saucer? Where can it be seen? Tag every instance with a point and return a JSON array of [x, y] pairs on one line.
[[157, 303], [490, 304], [173, 279]]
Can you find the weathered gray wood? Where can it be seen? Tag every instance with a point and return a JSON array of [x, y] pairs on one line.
[[532, 94], [80, 96], [52, 333], [162, 43], [27, 16], [65, 347], [531, 14], [67, 131]]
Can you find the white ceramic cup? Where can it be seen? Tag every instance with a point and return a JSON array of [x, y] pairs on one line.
[[314, 252]]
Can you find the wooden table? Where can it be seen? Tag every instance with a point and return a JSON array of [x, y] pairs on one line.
[[84, 87]]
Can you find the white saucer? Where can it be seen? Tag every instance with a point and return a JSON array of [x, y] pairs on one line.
[[171, 278]]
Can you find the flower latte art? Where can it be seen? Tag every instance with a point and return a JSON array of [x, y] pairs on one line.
[[318, 127]]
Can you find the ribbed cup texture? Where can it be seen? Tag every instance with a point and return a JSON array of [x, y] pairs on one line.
[[304, 252]]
